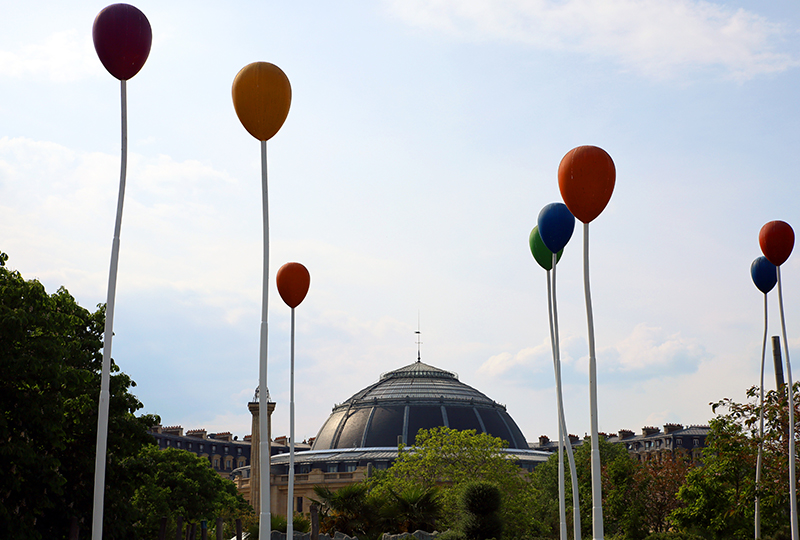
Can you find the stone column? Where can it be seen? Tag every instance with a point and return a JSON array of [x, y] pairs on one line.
[[255, 439]]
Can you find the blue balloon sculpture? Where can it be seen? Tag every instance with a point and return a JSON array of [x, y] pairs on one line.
[[556, 224], [764, 273]]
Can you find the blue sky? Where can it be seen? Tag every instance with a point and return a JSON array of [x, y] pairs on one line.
[[422, 141]]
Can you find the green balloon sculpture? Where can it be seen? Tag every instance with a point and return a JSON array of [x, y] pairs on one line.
[[540, 252]]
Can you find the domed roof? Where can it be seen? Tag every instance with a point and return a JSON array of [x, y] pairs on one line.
[[405, 400]]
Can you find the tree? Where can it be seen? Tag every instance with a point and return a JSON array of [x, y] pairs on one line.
[[624, 493], [450, 459], [354, 510], [50, 350], [659, 482], [719, 496], [480, 511], [175, 483]]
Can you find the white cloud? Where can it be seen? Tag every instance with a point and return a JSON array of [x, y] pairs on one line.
[[648, 349], [501, 363], [659, 38], [62, 57]]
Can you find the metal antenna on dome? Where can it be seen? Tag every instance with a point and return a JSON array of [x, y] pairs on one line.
[[419, 335]]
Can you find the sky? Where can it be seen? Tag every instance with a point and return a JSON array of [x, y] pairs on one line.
[[423, 139]]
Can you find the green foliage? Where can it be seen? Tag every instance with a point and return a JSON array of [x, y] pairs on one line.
[[175, 482], [300, 523], [450, 459], [416, 508], [719, 497], [480, 519], [354, 510], [673, 536], [51, 358], [480, 498]]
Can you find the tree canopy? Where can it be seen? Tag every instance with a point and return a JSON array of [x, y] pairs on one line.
[[51, 354]]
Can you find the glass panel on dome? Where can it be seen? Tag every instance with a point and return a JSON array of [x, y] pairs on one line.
[[325, 435], [495, 425], [386, 425], [423, 417], [518, 436], [462, 418], [353, 430]]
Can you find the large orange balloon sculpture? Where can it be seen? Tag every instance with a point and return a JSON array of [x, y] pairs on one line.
[[261, 97], [586, 178]]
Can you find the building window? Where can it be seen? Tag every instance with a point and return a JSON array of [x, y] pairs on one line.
[[213, 447], [169, 442], [190, 446], [228, 463], [299, 505], [333, 467], [239, 451], [679, 442], [178, 444], [351, 467], [215, 462], [201, 447], [696, 441], [226, 449]]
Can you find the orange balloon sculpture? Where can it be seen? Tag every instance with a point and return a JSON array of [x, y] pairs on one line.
[[586, 177], [293, 282], [261, 97], [776, 239]]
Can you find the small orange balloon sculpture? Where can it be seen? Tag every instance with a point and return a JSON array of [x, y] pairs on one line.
[[293, 282], [261, 97], [586, 179]]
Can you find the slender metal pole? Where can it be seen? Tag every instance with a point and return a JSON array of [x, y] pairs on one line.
[[562, 422], [790, 385], [290, 494], [108, 334], [551, 307], [761, 427], [597, 492], [265, 517]]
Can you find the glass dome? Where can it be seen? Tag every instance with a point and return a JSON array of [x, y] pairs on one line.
[[405, 400]]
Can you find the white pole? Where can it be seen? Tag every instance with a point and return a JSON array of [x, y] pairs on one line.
[[108, 333], [265, 517], [562, 421], [551, 307], [760, 428], [290, 495], [792, 454], [597, 491]]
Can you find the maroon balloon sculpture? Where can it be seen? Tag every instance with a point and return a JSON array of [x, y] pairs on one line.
[[777, 241], [122, 38]]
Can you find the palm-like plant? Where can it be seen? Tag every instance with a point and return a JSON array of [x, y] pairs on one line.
[[414, 509]]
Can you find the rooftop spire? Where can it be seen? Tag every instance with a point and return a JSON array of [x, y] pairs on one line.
[[419, 342]]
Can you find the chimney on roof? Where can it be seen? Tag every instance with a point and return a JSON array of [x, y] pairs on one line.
[[173, 430], [650, 430], [671, 428], [573, 439], [624, 434], [543, 440]]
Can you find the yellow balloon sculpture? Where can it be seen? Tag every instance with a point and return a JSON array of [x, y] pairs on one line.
[[261, 97]]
